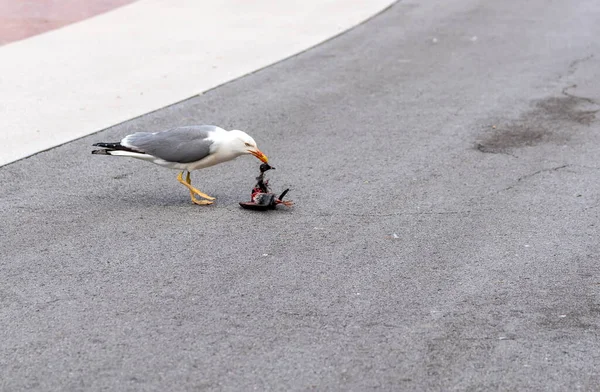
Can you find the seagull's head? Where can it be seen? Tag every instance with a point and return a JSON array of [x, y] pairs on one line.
[[245, 144]]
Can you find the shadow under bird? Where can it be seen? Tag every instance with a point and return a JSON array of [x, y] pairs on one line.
[[186, 149]]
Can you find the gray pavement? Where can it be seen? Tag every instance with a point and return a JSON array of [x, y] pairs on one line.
[[444, 161]]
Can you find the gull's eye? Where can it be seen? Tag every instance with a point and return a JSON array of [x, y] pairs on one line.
[[248, 144]]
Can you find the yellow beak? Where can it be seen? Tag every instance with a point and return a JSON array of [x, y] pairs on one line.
[[259, 155]]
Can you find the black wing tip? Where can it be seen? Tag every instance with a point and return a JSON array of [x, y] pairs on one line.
[[112, 147], [115, 145]]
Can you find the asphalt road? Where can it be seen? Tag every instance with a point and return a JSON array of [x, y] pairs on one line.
[[444, 161]]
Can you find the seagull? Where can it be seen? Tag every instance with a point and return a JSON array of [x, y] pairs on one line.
[[185, 148]]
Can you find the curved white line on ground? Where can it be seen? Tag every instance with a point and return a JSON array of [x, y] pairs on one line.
[[88, 76]]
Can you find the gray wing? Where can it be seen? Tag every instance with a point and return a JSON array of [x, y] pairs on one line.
[[182, 144]]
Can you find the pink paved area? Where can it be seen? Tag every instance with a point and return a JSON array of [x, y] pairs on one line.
[[21, 19]]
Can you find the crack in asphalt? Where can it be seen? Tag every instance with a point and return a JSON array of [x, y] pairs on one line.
[[527, 176], [575, 64], [586, 99]]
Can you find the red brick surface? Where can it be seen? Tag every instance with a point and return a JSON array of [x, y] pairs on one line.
[[20, 19]]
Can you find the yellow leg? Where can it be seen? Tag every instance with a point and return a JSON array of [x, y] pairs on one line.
[[195, 191], [200, 202]]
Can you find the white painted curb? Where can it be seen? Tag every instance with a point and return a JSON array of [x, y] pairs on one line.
[[91, 75]]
